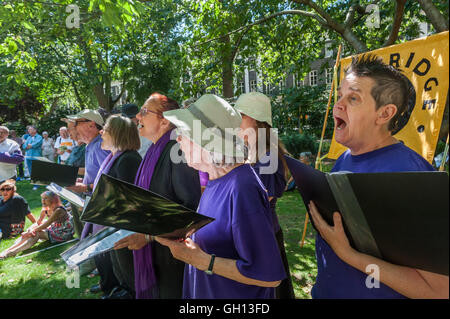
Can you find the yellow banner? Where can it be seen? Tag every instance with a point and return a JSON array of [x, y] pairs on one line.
[[425, 62]]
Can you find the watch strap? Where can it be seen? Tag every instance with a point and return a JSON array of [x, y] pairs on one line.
[[209, 271]]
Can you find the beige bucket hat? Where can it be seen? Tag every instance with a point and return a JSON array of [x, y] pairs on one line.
[[91, 115], [210, 122], [256, 105]]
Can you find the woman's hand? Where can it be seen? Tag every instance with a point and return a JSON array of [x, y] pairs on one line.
[[334, 235], [132, 242], [187, 251]]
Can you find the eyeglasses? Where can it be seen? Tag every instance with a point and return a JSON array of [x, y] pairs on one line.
[[144, 111], [7, 189]]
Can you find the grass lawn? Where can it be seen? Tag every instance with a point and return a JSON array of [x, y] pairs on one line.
[[43, 275]]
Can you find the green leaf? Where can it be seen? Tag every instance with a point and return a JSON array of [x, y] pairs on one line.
[[28, 25]]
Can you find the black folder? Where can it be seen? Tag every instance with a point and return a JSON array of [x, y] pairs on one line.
[[399, 217], [44, 173], [123, 205]]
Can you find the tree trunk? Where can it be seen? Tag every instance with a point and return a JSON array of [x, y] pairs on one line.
[[436, 18], [102, 98], [227, 68]]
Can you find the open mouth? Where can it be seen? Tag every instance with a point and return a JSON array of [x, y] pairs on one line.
[[339, 123]]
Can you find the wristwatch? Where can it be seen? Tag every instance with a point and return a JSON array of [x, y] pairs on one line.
[[209, 271]]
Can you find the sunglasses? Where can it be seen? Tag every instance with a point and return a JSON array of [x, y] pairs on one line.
[[6, 189], [144, 111]]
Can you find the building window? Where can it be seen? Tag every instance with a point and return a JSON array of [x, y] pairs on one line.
[[114, 90], [253, 86], [313, 78], [328, 50], [329, 75], [282, 85], [242, 87], [268, 88]]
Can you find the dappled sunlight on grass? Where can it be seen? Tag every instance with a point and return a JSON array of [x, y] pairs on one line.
[[43, 274]]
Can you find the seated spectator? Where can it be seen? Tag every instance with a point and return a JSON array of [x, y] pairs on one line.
[[58, 226], [13, 209]]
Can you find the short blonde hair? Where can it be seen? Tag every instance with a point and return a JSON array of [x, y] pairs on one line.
[[11, 183], [123, 132]]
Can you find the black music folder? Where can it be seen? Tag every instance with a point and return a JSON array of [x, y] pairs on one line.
[[399, 217], [46, 172], [122, 205]]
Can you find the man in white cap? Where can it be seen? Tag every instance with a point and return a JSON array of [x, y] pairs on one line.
[[88, 124]]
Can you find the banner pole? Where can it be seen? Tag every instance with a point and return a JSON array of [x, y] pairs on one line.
[[318, 158]]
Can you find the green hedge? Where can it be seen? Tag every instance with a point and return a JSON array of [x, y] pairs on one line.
[[296, 143]]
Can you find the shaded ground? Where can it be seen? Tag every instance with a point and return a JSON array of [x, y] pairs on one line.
[[44, 274]]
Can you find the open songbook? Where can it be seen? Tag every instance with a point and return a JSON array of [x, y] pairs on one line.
[[93, 245], [122, 205], [399, 217]]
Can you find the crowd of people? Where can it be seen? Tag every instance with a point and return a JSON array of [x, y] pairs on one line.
[[240, 254]]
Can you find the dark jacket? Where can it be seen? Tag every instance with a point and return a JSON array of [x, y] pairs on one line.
[[180, 183], [126, 166]]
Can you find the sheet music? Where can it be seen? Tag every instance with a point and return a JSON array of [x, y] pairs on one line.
[[99, 247], [39, 158], [70, 196]]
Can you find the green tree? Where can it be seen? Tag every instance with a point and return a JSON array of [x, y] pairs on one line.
[[116, 41]]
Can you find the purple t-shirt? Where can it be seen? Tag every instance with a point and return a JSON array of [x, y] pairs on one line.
[[274, 184], [335, 278], [94, 158], [242, 230]]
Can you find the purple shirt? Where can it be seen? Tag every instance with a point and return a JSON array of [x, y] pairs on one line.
[[335, 278], [242, 231], [94, 158], [274, 184]]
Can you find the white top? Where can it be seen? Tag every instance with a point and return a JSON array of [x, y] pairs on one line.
[[68, 143], [8, 170]]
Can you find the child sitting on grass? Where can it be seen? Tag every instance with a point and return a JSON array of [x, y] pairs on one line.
[[58, 227]]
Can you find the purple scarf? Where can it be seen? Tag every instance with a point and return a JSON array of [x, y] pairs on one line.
[[144, 274], [104, 169], [204, 178]]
